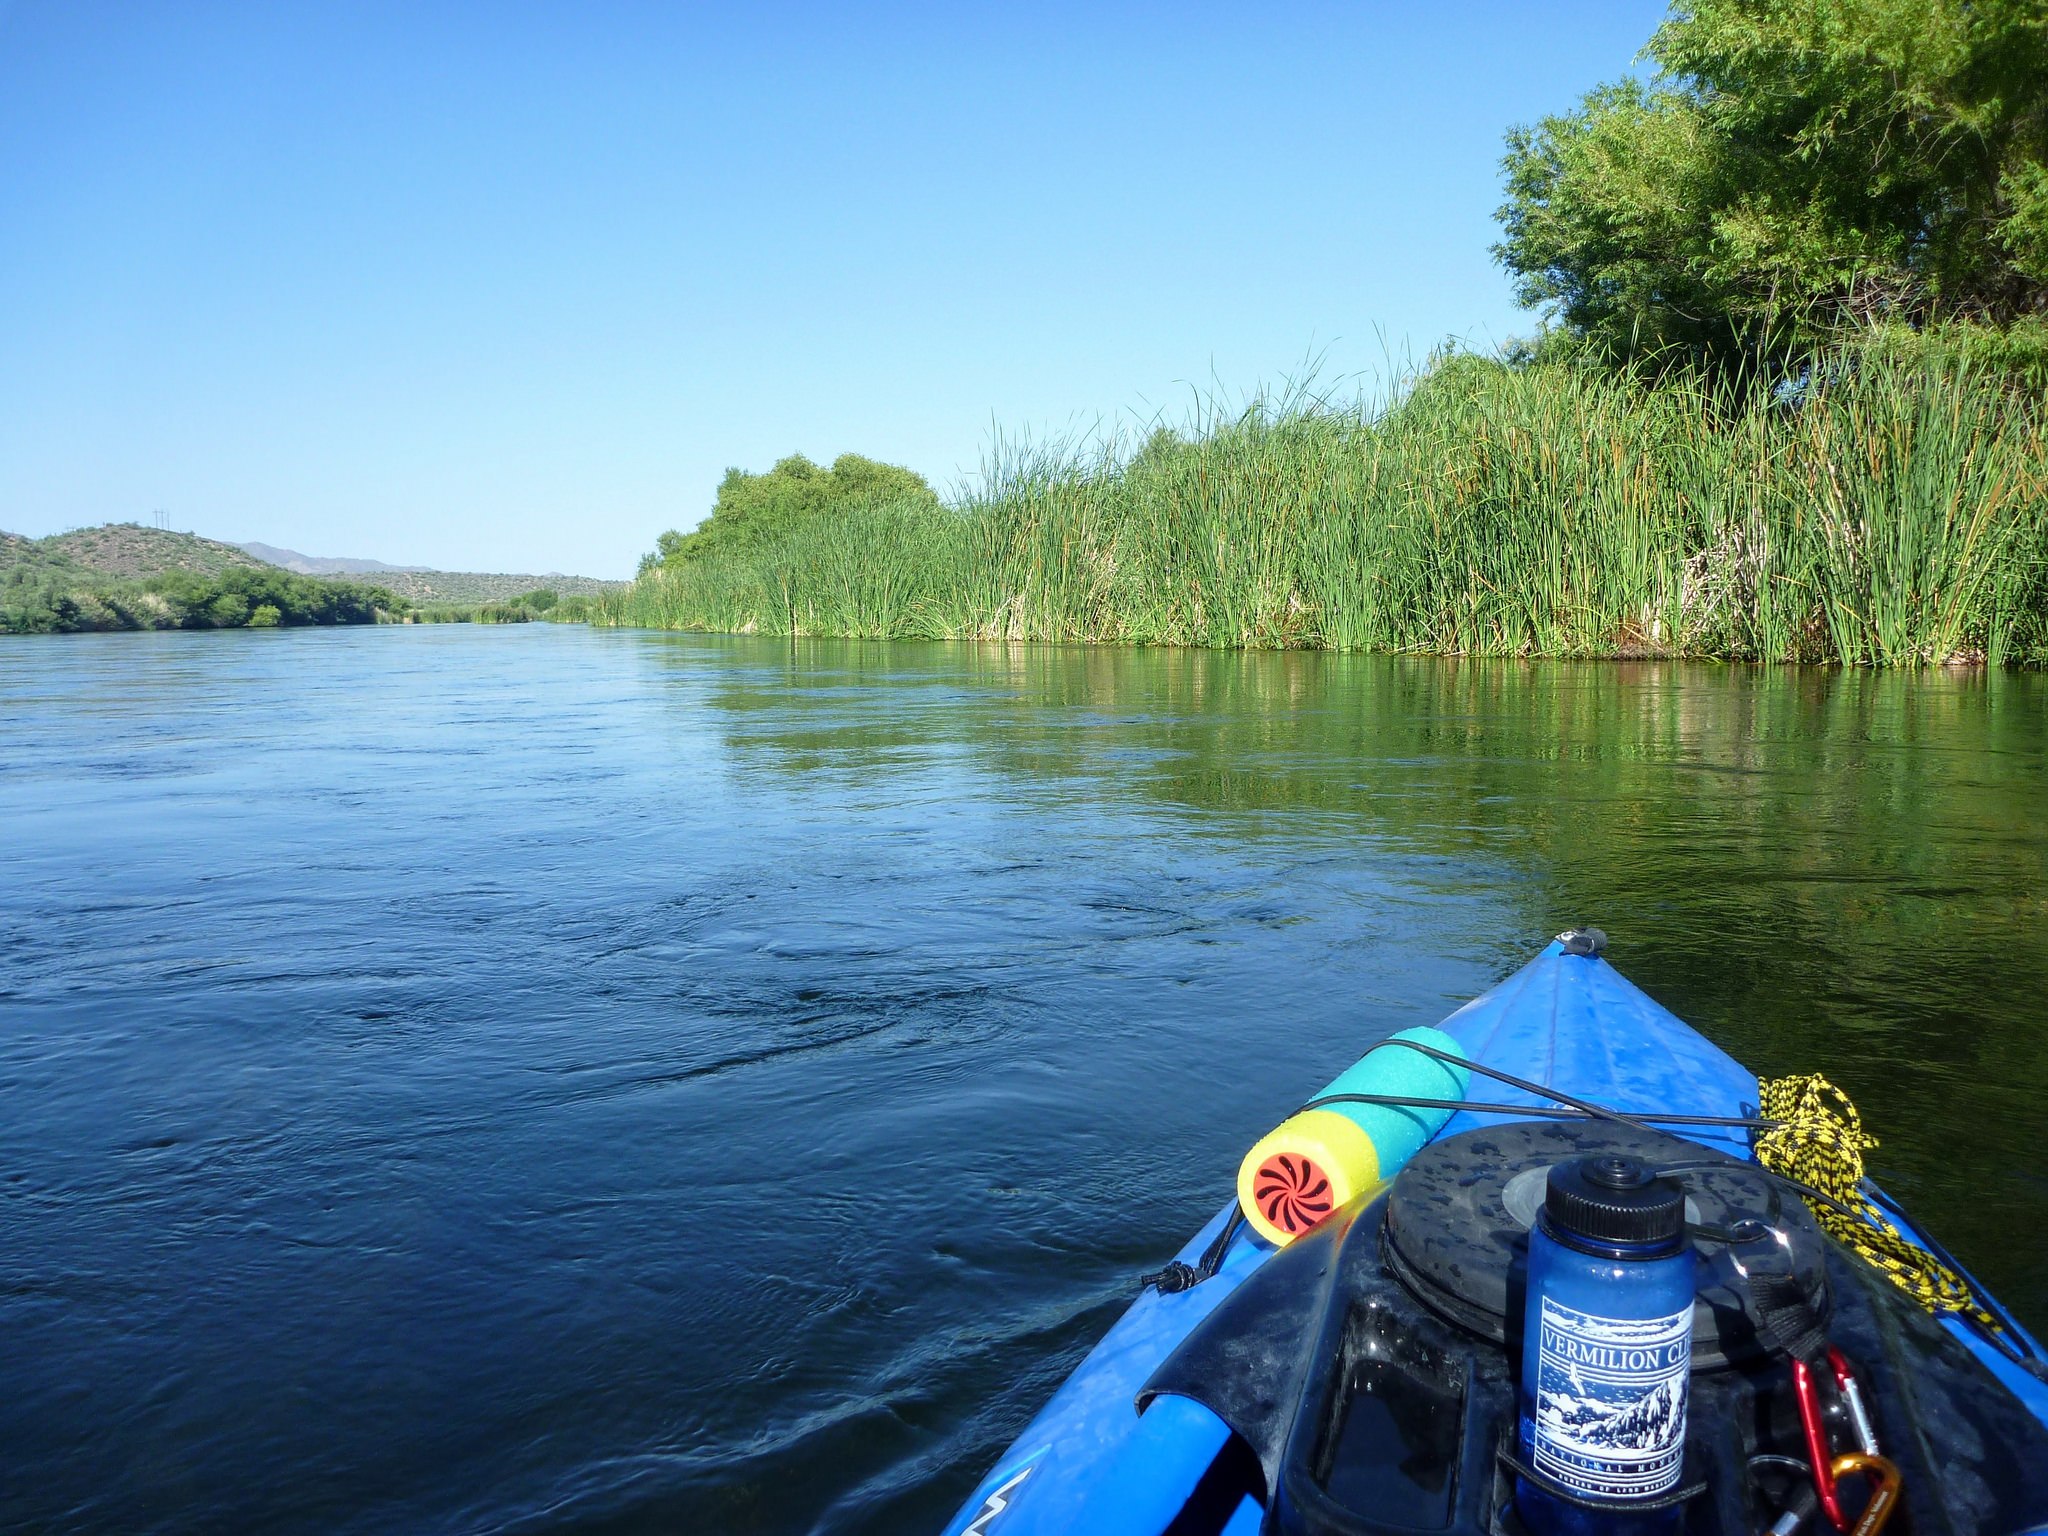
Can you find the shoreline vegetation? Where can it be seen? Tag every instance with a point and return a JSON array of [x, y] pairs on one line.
[[1786, 405], [123, 576], [1863, 507], [48, 598]]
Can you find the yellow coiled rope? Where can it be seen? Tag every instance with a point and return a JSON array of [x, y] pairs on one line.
[[1821, 1142]]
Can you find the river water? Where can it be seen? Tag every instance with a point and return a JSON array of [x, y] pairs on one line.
[[534, 1079]]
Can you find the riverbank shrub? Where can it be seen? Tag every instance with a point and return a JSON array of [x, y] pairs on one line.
[[54, 599], [1881, 511]]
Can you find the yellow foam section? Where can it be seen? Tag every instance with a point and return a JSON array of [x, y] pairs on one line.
[[1302, 1170]]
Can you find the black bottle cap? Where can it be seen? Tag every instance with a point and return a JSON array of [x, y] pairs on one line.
[[1614, 1199]]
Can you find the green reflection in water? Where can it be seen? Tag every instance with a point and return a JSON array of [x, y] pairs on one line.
[[1824, 870]]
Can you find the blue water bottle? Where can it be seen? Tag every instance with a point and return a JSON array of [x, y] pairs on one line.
[[1606, 1352]]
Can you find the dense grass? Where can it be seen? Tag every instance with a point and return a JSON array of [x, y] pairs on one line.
[[1890, 513]]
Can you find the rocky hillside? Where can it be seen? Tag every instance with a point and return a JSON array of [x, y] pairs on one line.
[[420, 584], [127, 577], [467, 587], [131, 552]]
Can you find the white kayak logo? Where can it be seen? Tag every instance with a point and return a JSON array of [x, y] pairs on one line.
[[997, 1501], [1610, 1401]]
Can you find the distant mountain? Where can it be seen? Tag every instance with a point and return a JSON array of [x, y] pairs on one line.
[[126, 576], [131, 552], [315, 565], [469, 587], [421, 584]]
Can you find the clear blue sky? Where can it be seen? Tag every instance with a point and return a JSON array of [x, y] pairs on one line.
[[508, 286]]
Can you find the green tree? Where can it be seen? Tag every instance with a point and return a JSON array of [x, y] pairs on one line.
[[1798, 169], [752, 508]]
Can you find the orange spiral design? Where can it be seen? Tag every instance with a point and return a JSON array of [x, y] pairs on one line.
[[1293, 1192]]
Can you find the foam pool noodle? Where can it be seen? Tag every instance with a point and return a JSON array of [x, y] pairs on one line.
[[1319, 1160]]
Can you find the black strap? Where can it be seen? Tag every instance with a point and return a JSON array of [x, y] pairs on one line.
[[1177, 1277], [1786, 1317]]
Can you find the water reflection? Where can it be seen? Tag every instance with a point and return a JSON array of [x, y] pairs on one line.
[[1828, 870]]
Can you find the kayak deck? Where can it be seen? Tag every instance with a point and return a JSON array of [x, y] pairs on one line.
[[1089, 1461]]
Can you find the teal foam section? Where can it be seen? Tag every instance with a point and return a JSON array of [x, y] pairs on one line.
[[1398, 1134]]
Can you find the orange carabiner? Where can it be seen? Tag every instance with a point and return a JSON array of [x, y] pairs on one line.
[[1884, 1488]]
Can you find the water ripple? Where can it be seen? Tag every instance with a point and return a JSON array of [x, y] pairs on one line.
[[538, 1080]]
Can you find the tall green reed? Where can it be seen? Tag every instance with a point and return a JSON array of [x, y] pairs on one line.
[[1881, 513]]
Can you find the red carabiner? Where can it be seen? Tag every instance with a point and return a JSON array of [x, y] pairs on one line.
[[1817, 1453]]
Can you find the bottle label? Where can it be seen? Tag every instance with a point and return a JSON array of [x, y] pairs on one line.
[[1610, 1401]]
